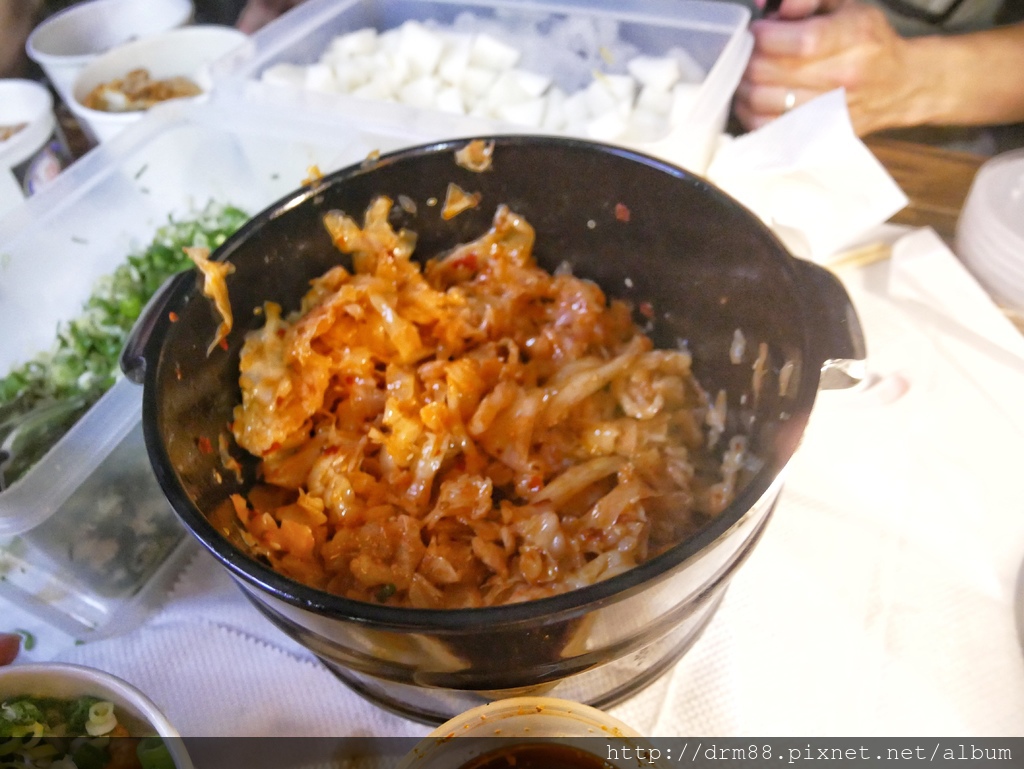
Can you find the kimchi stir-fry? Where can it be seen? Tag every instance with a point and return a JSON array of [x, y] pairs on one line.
[[470, 432]]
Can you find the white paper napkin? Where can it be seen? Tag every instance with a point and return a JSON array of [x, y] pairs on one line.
[[809, 177], [217, 667], [882, 599]]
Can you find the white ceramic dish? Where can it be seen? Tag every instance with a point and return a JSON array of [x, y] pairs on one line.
[[990, 231], [27, 162], [65, 42], [185, 52], [140, 714]]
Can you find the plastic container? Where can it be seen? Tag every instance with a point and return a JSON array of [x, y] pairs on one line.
[[55, 245], [713, 34], [65, 42], [35, 154], [185, 52]]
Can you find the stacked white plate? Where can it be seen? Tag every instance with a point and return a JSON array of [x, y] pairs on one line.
[[990, 231]]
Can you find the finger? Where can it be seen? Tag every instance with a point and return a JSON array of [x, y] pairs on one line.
[[750, 120], [254, 16], [776, 37], [280, 6], [773, 100], [814, 37], [787, 71], [805, 74], [797, 9]]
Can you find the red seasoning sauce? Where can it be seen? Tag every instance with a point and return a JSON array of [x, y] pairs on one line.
[[538, 755]]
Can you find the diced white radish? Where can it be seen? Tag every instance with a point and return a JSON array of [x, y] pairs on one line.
[[421, 47], [487, 51], [644, 126], [390, 67], [528, 113], [476, 81], [379, 87], [623, 87], [462, 70], [598, 98], [507, 89], [607, 127], [531, 83], [554, 110], [576, 128], [654, 100], [576, 109], [684, 97], [661, 72], [690, 70], [360, 42], [606, 94], [419, 92], [292, 75], [320, 77], [449, 99], [480, 109], [454, 60], [390, 40], [351, 73]]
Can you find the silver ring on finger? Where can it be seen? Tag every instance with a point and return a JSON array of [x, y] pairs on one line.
[[789, 101]]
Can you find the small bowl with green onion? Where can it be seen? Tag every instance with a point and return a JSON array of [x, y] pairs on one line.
[[73, 717]]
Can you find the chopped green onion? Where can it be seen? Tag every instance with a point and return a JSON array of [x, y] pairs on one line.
[[84, 361], [29, 639], [154, 754]]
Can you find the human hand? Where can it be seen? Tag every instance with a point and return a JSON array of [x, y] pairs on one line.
[[844, 43], [16, 22], [800, 9], [258, 13]]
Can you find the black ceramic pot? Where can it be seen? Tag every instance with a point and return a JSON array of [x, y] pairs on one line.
[[705, 265]]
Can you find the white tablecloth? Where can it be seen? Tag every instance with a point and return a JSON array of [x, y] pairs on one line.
[[883, 600]]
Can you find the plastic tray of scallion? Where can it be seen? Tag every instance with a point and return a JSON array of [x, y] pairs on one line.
[[85, 532]]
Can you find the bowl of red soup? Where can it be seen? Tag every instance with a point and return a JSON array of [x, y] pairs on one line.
[[489, 417]]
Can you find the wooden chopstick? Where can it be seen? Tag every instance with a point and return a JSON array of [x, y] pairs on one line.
[[861, 256]]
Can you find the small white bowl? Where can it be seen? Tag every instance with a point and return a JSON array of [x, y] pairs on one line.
[[520, 720], [990, 230], [33, 156], [65, 42], [186, 52], [55, 679]]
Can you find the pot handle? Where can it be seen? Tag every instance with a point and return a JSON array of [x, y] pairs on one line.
[[839, 339], [133, 355]]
